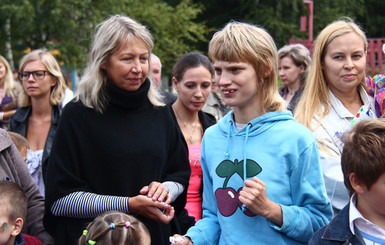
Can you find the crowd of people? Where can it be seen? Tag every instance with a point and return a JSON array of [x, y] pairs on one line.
[[230, 158]]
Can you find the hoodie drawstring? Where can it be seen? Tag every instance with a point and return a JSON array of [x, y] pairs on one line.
[[227, 153], [245, 158]]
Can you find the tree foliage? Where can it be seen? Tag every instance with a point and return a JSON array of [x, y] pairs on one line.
[[281, 18], [178, 26], [66, 26]]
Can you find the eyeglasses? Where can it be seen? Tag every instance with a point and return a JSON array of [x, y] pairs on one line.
[[38, 75]]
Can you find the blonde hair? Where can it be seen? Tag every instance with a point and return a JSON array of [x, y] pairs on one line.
[[242, 42], [316, 92], [9, 83], [110, 35], [300, 55], [13, 198], [49, 61], [116, 228]]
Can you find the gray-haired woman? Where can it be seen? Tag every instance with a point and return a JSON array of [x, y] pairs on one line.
[[117, 147]]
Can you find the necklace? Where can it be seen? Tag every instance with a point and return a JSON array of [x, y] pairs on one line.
[[184, 125]]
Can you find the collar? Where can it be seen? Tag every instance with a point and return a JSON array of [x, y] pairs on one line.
[[337, 229], [128, 99], [357, 220], [23, 114], [19, 240], [341, 110]]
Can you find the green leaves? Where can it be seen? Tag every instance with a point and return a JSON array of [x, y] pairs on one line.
[[227, 168], [70, 25]]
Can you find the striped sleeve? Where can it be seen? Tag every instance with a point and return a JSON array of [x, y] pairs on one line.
[[88, 205]]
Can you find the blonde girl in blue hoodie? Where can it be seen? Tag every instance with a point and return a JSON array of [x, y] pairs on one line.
[[261, 173]]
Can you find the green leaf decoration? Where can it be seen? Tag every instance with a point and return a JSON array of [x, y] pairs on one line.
[[225, 169], [252, 168]]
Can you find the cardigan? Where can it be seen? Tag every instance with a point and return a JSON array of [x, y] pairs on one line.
[[183, 220], [117, 152], [13, 168]]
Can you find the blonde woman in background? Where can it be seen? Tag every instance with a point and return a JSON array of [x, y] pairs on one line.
[[9, 91], [335, 98], [38, 117]]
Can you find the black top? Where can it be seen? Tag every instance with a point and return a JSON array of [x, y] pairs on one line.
[[168, 98], [19, 124], [294, 100], [129, 145]]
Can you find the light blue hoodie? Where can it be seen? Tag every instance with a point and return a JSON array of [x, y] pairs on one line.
[[280, 152]]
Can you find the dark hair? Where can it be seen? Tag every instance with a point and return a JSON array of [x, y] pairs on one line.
[[364, 152], [14, 198], [191, 60], [125, 229]]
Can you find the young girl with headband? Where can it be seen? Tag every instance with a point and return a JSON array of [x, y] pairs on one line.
[[115, 228]]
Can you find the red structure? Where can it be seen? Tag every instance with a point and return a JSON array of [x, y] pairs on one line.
[[375, 60], [309, 4]]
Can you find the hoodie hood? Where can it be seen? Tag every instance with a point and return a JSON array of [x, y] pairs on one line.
[[253, 128]]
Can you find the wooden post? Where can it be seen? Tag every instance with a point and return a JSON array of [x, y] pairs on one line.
[[309, 4]]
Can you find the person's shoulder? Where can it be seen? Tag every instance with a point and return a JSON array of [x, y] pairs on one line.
[[75, 106], [21, 113], [31, 240], [168, 98], [208, 116], [207, 119], [5, 140], [293, 130], [336, 232], [317, 237]]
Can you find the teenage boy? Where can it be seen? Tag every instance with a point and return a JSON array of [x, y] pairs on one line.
[[362, 221]]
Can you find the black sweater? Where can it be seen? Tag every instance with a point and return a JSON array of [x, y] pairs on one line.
[[129, 145]]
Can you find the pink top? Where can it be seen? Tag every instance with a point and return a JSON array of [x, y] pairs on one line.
[[194, 195]]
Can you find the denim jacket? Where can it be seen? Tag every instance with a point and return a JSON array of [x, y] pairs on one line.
[[19, 124], [337, 232]]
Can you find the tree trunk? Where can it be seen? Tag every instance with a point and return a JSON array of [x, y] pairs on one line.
[[8, 47]]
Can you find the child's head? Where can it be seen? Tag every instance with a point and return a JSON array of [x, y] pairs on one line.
[[115, 228], [363, 155], [13, 211], [242, 42], [21, 143]]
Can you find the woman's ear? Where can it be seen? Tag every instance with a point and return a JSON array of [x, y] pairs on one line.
[[17, 227], [302, 68], [267, 73], [54, 82], [175, 84], [358, 186]]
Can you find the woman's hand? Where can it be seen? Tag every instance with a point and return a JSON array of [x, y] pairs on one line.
[[253, 195], [158, 211], [157, 192], [180, 240]]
